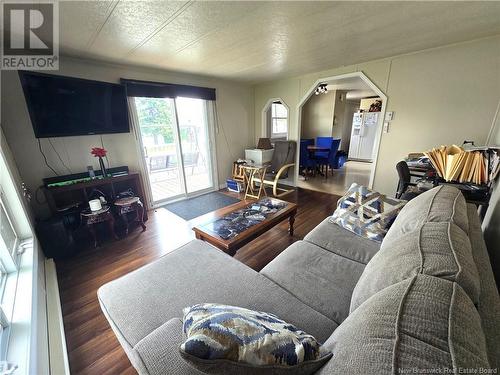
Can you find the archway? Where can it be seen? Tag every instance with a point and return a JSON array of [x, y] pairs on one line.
[[338, 80]]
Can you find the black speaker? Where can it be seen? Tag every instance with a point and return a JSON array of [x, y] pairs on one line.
[[55, 237]]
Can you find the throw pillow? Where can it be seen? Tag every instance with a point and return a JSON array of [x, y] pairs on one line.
[[233, 340], [366, 213]]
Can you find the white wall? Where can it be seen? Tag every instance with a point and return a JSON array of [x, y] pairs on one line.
[[235, 113], [339, 124], [317, 115], [439, 96]]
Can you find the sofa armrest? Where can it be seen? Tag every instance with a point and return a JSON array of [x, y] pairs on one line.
[[159, 350]]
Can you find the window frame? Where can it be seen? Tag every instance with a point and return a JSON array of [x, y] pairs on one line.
[[9, 268], [280, 135], [12, 334], [12, 263]]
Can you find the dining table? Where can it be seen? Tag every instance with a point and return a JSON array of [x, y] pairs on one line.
[[312, 150]]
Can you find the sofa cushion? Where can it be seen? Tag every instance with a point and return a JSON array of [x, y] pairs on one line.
[[319, 278], [224, 339], [143, 300], [366, 213], [489, 301], [340, 241], [225, 367], [418, 325], [441, 204], [159, 351], [437, 249]]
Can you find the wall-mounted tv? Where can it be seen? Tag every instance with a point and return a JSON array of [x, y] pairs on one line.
[[64, 106]]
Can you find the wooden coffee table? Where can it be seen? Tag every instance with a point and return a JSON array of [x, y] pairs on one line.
[[231, 227]]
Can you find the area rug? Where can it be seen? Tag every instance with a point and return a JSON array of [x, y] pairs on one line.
[[190, 208]]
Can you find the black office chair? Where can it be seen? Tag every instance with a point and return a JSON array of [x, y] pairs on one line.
[[404, 178]]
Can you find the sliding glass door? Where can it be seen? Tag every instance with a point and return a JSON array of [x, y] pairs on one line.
[[195, 143], [176, 146]]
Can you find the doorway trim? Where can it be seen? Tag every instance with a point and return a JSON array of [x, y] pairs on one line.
[[380, 124], [134, 124], [264, 118]]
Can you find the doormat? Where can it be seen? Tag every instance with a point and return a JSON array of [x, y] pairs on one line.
[[193, 207]]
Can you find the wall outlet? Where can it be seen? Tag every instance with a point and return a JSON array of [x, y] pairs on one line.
[[386, 127], [389, 116]]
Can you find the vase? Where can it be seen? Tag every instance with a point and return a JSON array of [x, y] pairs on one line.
[[103, 168]]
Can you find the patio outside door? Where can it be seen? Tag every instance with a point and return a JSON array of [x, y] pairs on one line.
[[175, 141]]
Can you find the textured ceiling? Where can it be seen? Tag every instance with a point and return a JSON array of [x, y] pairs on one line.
[[259, 41]]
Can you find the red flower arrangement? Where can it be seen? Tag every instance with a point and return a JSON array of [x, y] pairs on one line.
[[98, 152]]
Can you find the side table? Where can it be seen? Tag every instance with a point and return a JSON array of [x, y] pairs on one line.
[[130, 204], [90, 218], [252, 172]]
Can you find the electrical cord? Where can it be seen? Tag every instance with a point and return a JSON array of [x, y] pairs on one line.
[[45, 158], [219, 125], [59, 156]]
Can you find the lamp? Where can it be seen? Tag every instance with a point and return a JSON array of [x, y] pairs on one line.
[[264, 144]]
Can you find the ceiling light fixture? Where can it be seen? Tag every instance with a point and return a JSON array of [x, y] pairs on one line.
[[321, 89]]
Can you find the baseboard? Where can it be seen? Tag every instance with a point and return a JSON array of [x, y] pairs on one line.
[[58, 354]]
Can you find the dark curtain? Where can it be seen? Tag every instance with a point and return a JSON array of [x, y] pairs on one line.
[[166, 90]]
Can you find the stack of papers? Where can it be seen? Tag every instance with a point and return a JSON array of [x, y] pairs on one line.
[[453, 163]]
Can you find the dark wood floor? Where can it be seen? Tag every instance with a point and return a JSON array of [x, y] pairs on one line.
[[92, 346]]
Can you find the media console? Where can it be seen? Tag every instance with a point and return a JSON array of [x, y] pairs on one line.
[[71, 192], [62, 235]]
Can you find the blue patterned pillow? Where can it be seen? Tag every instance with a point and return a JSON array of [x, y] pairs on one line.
[[226, 339], [366, 212]]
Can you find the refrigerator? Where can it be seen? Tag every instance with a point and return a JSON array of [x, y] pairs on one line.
[[364, 129]]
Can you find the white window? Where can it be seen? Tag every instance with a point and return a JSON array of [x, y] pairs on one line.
[[16, 272], [279, 121], [8, 236], [9, 255]]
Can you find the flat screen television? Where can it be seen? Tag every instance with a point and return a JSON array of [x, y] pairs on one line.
[[64, 106]]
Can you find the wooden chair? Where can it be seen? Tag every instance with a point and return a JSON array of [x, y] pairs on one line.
[[283, 160], [238, 173]]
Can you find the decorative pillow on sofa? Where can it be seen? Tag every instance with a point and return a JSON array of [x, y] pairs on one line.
[[228, 340], [366, 212]]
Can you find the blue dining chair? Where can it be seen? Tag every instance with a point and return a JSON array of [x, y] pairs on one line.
[[305, 161], [323, 142], [329, 161]]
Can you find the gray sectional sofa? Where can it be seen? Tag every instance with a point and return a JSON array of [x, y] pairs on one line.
[[424, 299]]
